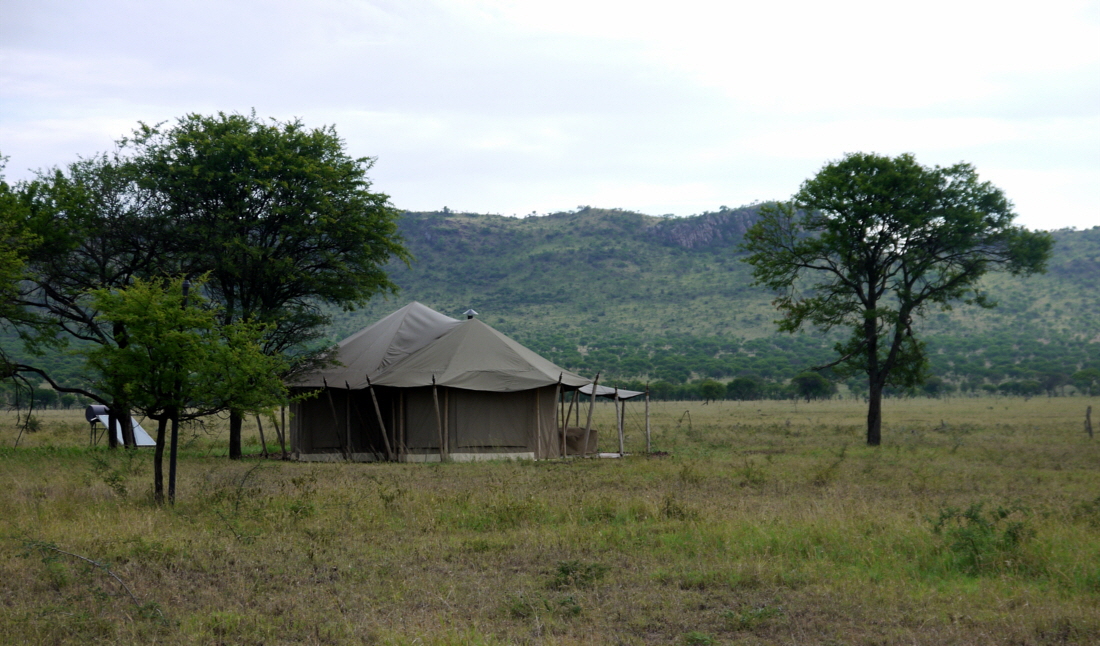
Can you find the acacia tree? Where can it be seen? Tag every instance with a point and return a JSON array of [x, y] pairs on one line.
[[15, 242], [180, 362], [870, 242], [277, 215], [812, 385], [94, 229]]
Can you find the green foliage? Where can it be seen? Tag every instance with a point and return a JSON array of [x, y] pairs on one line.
[[870, 243], [710, 389], [743, 388], [576, 574], [277, 214], [178, 357], [698, 638], [1087, 381], [15, 241], [811, 385], [672, 303], [982, 542], [752, 618]]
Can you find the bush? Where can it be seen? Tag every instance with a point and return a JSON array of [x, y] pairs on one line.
[[983, 542]]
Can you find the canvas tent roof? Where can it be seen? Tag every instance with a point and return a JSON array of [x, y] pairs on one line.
[[474, 356], [414, 344], [372, 350]]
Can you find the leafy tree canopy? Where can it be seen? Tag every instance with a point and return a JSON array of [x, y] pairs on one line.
[[179, 360], [277, 214], [811, 385], [179, 356], [871, 242]]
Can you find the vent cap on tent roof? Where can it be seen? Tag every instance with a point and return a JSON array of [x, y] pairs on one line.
[[470, 313]]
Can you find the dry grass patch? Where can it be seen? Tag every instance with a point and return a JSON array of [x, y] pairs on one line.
[[767, 522]]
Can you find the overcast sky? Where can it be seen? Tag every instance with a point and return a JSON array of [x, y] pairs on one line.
[[496, 106]]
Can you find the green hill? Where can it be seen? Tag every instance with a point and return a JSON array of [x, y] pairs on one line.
[[649, 297]]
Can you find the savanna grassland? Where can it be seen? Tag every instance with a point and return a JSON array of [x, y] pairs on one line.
[[976, 522]]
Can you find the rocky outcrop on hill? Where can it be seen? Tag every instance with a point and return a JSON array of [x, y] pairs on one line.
[[720, 229]]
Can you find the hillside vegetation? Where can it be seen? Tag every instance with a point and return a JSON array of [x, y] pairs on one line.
[[644, 297]]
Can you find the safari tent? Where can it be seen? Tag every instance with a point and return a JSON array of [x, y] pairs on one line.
[[421, 386]]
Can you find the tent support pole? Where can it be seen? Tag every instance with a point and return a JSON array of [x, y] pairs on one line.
[[620, 414], [363, 423], [648, 447], [559, 407], [260, 427], [565, 422], [286, 431], [332, 406], [381, 424], [404, 430], [588, 426], [557, 412], [348, 422], [438, 420]]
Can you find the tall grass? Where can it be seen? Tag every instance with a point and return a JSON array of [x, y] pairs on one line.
[[977, 521]]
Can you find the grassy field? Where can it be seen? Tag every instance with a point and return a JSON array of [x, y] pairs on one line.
[[976, 522]]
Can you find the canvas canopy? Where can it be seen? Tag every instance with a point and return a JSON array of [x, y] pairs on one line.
[[372, 350], [474, 356], [438, 389], [607, 391]]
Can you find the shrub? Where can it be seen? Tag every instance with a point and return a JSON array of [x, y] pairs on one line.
[[982, 542]]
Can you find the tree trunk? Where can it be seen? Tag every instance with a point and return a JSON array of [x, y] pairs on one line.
[[875, 380], [874, 413], [235, 421], [112, 439], [126, 421], [158, 462], [173, 454]]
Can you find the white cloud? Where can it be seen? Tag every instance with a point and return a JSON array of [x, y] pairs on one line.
[[509, 105]]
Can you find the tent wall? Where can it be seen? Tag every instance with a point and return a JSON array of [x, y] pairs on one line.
[[477, 424], [321, 424]]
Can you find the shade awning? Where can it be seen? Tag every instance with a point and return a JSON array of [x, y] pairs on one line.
[[608, 391]]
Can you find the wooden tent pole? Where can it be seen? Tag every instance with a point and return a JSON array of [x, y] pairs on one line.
[[565, 422], [381, 424], [588, 426], [648, 448], [557, 406], [263, 442], [331, 405], [279, 432], [347, 414], [559, 416], [619, 415], [366, 436], [438, 420], [285, 431]]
